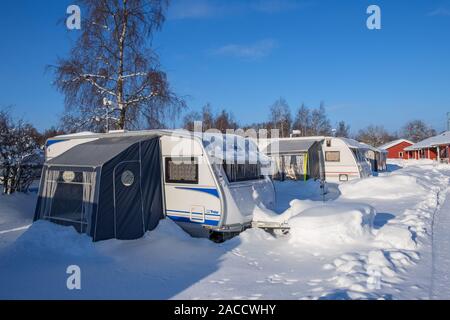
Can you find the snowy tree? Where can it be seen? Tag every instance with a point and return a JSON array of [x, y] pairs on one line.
[[20, 156], [280, 117], [417, 130], [112, 77], [343, 130]]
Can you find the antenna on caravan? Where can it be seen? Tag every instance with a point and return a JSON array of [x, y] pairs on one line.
[[109, 109]]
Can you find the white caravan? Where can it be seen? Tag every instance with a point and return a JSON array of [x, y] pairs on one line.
[[345, 160], [209, 185]]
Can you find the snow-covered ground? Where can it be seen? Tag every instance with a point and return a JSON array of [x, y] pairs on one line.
[[382, 237]]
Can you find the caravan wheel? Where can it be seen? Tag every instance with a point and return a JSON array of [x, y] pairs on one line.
[[220, 237]]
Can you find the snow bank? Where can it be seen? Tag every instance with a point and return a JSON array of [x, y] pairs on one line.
[[261, 213], [45, 239], [393, 236], [329, 225], [322, 224], [387, 187], [16, 209]]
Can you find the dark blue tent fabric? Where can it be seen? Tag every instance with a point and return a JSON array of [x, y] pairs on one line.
[[129, 185], [126, 212]]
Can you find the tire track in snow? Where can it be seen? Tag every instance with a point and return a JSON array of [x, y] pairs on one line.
[[440, 254], [352, 273]]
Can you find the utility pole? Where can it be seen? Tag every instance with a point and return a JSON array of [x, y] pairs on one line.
[[448, 121]]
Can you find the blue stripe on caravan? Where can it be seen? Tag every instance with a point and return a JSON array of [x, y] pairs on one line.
[[50, 142], [210, 191], [212, 213], [183, 219]]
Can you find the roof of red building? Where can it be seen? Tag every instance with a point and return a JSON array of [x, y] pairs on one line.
[[442, 139], [394, 143]]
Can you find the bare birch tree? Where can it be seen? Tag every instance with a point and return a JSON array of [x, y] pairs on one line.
[[112, 77]]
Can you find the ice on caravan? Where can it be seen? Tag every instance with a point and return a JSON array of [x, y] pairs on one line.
[[207, 192]]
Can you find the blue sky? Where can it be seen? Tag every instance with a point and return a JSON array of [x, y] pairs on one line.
[[243, 55]]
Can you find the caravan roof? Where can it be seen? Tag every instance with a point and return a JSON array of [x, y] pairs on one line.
[[97, 152], [224, 147], [351, 143], [293, 145]]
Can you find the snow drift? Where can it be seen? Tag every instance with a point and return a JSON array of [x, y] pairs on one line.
[[398, 237], [387, 187], [323, 224], [329, 225]]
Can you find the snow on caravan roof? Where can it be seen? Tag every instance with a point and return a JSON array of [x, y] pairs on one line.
[[235, 146], [369, 147], [78, 134], [443, 138], [231, 147], [97, 152], [354, 144]]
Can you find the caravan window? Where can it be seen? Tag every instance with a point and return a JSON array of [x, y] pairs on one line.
[[333, 156], [359, 156], [182, 170], [242, 172]]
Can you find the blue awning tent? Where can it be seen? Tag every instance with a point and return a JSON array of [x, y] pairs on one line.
[[107, 188]]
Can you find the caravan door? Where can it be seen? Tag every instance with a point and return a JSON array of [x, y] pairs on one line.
[[128, 215], [191, 194]]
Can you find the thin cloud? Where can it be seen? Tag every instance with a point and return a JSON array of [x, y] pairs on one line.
[[201, 9], [255, 50], [440, 12]]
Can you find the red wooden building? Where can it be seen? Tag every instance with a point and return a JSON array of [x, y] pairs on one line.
[[434, 148], [396, 148]]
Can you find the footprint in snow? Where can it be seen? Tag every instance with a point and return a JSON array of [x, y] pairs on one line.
[[278, 279]]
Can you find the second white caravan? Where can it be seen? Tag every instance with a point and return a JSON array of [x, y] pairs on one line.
[[344, 160]]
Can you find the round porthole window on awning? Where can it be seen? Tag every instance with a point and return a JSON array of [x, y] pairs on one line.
[[127, 178]]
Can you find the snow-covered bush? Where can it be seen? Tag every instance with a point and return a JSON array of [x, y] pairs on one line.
[[20, 155]]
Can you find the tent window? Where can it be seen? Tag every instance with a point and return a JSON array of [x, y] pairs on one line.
[[182, 170], [68, 202], [68, 197], [333, 156], [242, 172]]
